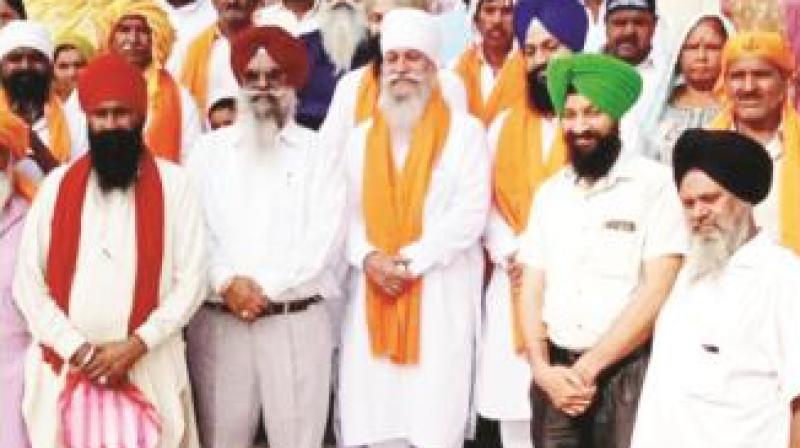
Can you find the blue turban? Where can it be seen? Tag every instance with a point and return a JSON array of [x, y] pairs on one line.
[[565, 19]]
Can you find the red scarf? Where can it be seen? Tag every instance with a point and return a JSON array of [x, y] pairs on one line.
[[65, 237]]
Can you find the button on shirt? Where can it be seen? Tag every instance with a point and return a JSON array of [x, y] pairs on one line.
[[726, 356], [275, 215], [591, 243]]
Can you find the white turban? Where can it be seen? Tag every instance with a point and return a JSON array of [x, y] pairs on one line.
[[407, 28], [25, 33]]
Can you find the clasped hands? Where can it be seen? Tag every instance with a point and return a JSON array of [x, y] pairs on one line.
[[570, 389], [108, 364], [245, 298], [389, 272]]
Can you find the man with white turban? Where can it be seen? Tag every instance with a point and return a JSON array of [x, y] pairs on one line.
[[33, 123], [418, 172]]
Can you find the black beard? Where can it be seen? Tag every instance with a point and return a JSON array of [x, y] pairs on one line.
[[538, 97], [369, 50], [594, 163], [115, 157], [28, 91]]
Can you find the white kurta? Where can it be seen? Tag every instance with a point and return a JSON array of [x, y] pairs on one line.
[[340, 120], [102, 297], [726, 356], [189, 21], [504, 377], [426, 404]]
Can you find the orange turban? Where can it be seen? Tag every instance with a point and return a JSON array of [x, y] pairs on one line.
[[769, 45], [111, 78], [287, 51], [164, 35]]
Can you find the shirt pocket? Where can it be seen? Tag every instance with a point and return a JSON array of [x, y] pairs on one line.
[[705, 374], [615, 254]]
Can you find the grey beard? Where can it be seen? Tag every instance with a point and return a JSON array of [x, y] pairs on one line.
[[342, 30], [710, 253], [403, 113], [260, 128]]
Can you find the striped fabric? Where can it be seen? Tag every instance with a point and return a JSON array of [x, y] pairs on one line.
[[93, 416]]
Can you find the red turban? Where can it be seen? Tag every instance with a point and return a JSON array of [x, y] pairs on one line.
[[111, 78], [288, 52]]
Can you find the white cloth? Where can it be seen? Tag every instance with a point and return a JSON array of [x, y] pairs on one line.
[[25, 33], [767, 212], [221, 80], [276, 215], [340, 120], [410, 28], [596, 31], [277, 14], [102, 296], [725, 364], [591, 244], [426, 404], [504, 377], [487, 75], [189, 21]]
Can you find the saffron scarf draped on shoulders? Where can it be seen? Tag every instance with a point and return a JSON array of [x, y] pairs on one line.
[[519, 170], [509, 86], [394, 202]]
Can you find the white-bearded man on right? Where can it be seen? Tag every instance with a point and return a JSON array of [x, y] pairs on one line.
[[725, 365]]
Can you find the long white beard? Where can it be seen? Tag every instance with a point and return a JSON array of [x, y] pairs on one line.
[[402, 113], [5, 188], [710, 252], [342, 30], [260, 129]]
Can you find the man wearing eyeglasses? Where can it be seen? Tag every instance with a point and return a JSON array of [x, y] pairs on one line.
[[274, 207]]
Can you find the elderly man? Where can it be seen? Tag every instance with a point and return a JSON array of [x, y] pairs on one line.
[[726, 359], [141, 33], [491, 72], [14, 336], [33, 124], [274, 205], [528, 147], [601, 250], [757, 68], [356, 95], [205, 67], [111, 265], [418, 172], [339, 45]]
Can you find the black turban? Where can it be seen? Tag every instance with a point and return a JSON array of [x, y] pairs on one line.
[[737, 162]]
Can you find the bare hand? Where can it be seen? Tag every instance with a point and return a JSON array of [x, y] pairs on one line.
[[565, 388], [390, 273], [112, 361], [244, 298]]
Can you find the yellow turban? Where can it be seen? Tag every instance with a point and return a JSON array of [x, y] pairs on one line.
[[769, 45], [158, 20]]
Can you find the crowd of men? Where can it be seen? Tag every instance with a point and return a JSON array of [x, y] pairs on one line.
[[579, 219]]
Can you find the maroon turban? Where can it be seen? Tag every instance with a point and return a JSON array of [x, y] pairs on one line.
[[111, 78], [288, 52]]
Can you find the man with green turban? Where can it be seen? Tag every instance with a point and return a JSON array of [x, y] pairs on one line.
[[601, 254]]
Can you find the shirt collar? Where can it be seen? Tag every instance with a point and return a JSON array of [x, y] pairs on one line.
[[290, 135], [622, 170], [750, 254]]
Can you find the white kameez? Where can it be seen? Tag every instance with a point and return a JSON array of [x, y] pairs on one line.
[[504, 377], [428, 404], [102, 297]]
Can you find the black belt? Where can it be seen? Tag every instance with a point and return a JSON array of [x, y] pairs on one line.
[[272, 308], [566, 357]]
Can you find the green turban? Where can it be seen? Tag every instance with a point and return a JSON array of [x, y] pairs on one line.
[[81, 43], [610, 84]]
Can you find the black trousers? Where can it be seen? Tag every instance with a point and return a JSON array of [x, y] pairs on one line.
[[608, 423]]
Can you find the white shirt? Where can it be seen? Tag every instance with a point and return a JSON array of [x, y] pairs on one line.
[[767, 213], [726, 356], [596, 33], [189, 21], [279, 15], [276, 215], [591, 244]]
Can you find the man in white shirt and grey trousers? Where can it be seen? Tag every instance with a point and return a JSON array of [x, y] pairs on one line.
[[274, 205]]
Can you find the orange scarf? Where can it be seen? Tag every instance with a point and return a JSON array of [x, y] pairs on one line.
[[65, 239], [60, 142], [789, 194], [367, 96], [393, 214], [519, 170], [194, 74], [163, 133], [509, 86]]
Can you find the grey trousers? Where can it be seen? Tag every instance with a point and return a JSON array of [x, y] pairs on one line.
[[608, 423], [278, 366]]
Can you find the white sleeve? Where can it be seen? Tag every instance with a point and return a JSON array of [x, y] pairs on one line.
[[465, 218], [453, 90], [48, 323], [357, 245], [787, 315], [532, 241], [188, 284], [665, 231], [190, 123]]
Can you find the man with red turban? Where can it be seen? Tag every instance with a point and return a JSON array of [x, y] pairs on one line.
[[274, 202], [111, 266]]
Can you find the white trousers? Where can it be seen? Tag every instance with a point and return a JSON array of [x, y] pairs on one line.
[[279, 366]]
